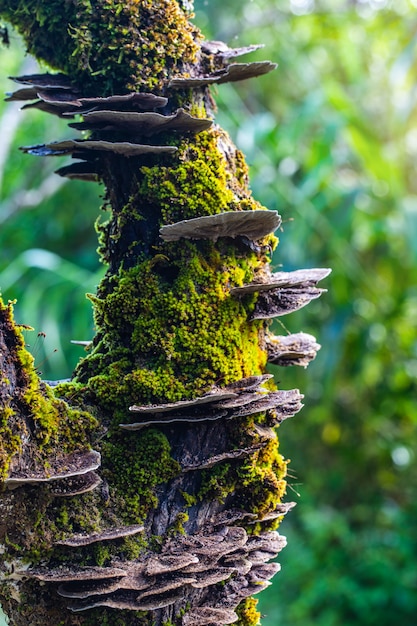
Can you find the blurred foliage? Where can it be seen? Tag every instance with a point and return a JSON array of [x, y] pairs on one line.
[[332, 142], [331, 138]]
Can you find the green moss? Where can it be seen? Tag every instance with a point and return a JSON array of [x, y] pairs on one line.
[[107, 46], [134, 465], [51, 420], [261, 480], [164, 339], [248, 615], [200, 182]]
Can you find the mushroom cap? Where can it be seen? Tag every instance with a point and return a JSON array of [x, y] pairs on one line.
[[143, 123], [68, 466], [252, 224], [232, 73], [68, 146], [84, 539]]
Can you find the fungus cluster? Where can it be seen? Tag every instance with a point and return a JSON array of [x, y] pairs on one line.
[[185, 566]]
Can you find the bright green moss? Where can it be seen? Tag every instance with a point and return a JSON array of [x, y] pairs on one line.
[[261, 480], [134, 465], [55, 423], [178, 336], [248, 615], [200, 182], [107, 46]]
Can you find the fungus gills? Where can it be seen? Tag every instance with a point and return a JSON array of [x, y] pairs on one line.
[[147, 489]]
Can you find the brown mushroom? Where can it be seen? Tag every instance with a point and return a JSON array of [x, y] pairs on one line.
[[282, 280], [182, 404], [68, 466], [44, 81], [164, 563], [209, 616], [67, 573], [76, 485], [221, 49], [81, 170]]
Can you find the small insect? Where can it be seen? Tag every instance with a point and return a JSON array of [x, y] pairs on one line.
[[4, 35]]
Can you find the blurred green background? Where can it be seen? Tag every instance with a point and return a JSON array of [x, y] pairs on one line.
[[331, 138]]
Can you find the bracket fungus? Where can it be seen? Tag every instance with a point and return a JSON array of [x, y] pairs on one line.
[[241, 398], [199, 561], [209, 616], [142, 123], [230, 74], [110, 534], [76, 485], [283, 292], [296, 349], [251, 224], [222, 50], [69, 146], [59, 468]]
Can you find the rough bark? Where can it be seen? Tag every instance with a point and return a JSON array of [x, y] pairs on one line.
[[147, 490]]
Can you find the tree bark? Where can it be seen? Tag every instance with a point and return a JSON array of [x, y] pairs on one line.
[[148, 488]]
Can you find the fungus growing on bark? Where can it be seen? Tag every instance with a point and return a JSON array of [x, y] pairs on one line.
[[297, 349], [209, 616], [251, 224], [222, 50], [219, 458], [81, 170], [242, 398], [69, 146], [110, 534], [67, 466], [144, 124], [62, 97], [232, 73], [283, 280], [166, 332], [75, 486]]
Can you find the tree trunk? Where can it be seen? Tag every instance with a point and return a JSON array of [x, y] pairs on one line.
[[147, 489]]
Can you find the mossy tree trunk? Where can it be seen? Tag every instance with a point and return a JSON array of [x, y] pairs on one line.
[[147, 489]]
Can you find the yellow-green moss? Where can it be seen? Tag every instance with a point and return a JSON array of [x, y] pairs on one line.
[[164, 339], [107, 46], [53, 421], [248, 615], [261, 480], [199, 182]]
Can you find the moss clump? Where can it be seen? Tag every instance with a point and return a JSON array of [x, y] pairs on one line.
[[134, 466], [248, 615], [201, 182], [33, 407], [261, 480], [163, 339], [107, 46], [257, 484]]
